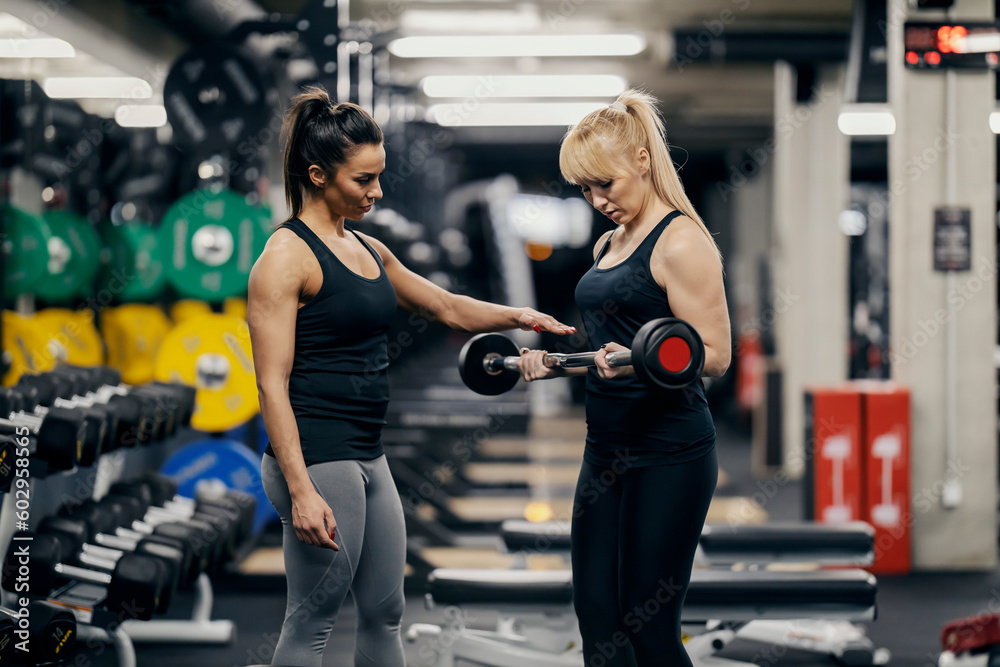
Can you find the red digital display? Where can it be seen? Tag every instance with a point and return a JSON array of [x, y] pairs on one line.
[[947, 45]]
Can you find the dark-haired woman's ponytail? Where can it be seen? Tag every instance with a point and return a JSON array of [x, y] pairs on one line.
[[305, 107]]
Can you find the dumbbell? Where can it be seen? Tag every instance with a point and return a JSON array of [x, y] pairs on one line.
[[56, 438], [51, 634], [233, 504], [34, 564], [216, 521], [136, 413], [666, 353], [149, 412], [79, 539], [174, 400], [8, 463], [100, 422], [115, 518], [211, 524]]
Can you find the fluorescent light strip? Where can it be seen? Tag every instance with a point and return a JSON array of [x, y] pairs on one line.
[[866, 120], [531, 85], [44, 47], [84, 87], [516, 46], [137, 115], [995, 122], [509, 114], [979, 43], [492, 21]]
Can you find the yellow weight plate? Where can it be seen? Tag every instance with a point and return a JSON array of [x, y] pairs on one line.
[[212, 353], [235, 306], [24, 349], [133, 333], [72, 336], [185, 309]]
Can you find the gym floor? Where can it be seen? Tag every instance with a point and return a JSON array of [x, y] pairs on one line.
[[912, 609]]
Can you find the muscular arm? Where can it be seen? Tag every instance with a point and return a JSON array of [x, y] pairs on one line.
[[419, 295], [686, 262], [272, 305]]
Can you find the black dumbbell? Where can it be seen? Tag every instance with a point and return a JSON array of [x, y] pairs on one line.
[[8, 455], [232, 504], [51, 634], [136, 424], [34, 564], [120, 517], [57, 439], [210, 521], [98, 424], [80, 539], [666, 353], [174, 401]]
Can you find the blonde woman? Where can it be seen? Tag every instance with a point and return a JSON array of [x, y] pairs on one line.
[[649, 467]]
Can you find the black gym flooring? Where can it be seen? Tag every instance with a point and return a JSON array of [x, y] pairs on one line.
[[912, 609]]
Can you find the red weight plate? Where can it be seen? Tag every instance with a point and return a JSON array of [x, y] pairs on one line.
[[674, 354]]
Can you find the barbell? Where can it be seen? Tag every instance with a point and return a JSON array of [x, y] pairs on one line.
[[667, 353]]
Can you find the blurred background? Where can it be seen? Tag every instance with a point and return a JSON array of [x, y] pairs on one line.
[[843, 153]]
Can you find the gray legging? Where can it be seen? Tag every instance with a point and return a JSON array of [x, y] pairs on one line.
[[372, 540]]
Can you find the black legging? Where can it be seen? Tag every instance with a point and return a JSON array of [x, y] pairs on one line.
[[635, 531]]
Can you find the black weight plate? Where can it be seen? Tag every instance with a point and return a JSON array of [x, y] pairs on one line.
[[646, 353], [470, 364], [215, 97]]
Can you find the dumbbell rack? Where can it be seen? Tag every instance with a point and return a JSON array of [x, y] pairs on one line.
[[101, 625]]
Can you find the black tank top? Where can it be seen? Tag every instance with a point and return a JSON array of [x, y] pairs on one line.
[[339, 387], [626, 419]]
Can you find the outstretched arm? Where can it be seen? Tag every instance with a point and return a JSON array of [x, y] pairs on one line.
[[417, 294]]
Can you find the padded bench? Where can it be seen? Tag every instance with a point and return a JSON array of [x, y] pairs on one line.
[[713, 594], [850, 543]]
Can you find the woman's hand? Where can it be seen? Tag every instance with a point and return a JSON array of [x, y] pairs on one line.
[[530, 319], [601, 361], [532, 367], [313, 521]]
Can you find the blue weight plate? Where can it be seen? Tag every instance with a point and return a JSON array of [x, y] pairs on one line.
[[231, 462]]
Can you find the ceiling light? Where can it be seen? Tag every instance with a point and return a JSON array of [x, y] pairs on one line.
[[504, 114], [488, 20], [136, 115], [866, 120], [516, 46], [45, 47], [97, 86], [541, 85], [995, 122]]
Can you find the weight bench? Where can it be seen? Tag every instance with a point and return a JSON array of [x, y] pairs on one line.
[[538, 627], [848, 544], [851, 544]]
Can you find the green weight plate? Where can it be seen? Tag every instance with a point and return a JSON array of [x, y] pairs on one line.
[[26, 250], [212, 239], [134, 268], [74, 257]]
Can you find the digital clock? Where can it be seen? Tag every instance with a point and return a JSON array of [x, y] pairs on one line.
[[968, 45]]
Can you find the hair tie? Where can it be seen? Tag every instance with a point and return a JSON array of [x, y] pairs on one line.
[[618, 105]]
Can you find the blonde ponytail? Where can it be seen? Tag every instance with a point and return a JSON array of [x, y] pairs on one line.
[[631, 123]]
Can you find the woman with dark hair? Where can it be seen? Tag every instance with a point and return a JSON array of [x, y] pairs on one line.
[[649, 468], [321, 299]]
